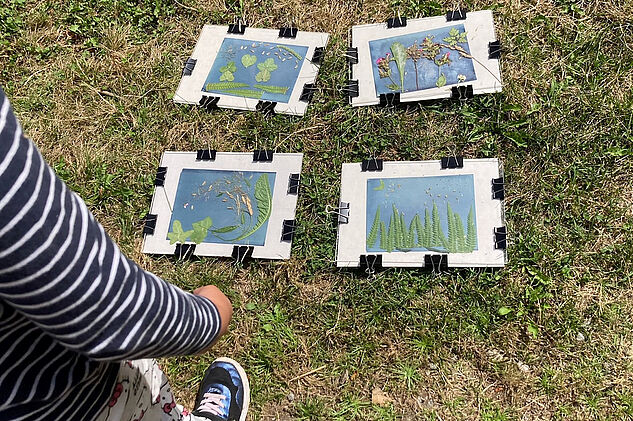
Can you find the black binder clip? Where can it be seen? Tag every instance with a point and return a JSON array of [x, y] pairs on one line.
[[237, 28], [390, 99], [459, 14], [351, 55], [150, 224], [293, 183], [498, 188], [397, 22], [209, 103], [161, 173], [241, 253], [266, 107], [351, 89], [205, 155], [452, 162], [189, 66], [288, 32], [308, 92], [342, 212], [263, 155], [462, 93], [436, 262], [184, 251], [288, 230], [371, 164], [317, 57], [370, 263], [501, 236], [494, 50]]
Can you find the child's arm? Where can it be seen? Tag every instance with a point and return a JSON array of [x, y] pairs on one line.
[[59, 268]]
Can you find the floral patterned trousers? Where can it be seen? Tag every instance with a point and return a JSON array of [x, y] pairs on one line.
[[142, 392]]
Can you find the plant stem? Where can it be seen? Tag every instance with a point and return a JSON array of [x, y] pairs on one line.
[[463, 53], [415, 65], [393, 81]]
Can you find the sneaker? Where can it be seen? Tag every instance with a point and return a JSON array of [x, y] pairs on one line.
[[224, 393]]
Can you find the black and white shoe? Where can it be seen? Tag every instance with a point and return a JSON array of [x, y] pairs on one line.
[[224, 393]]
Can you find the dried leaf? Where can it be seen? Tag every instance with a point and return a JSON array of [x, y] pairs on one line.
[[378, 397]]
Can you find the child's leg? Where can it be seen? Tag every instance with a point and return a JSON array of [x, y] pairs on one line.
[[143, 392]]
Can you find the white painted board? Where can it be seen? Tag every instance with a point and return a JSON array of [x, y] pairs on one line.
[[216, 47], [411, 188], [373, 42], [221, 189]]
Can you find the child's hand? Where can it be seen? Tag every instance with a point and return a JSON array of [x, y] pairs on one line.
[[223, 305]]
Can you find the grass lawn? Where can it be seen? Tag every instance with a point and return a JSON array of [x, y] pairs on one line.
[[547, 337]]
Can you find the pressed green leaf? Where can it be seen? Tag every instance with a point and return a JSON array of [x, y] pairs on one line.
[[206, 223], [227, 76], [291, 51], [400, 56], [264, 199], [265, 69], [230, 67], [225, 229], [248, 93], [198, 235], [272, 89], [373, 232], [262, 76], [219, 86], [248, 60], [383, 236], [177, 235], [441, 81], [269, 65]]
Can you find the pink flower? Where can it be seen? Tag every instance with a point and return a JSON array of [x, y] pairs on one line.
[[185, 412]]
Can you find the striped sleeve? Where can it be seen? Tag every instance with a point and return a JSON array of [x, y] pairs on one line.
[[60, 269]]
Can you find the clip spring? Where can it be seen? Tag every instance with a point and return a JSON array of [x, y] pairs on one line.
[[342, 212], [351, 88]]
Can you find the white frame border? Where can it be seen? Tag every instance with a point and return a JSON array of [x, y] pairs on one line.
[[283, 204], [479, 23], [206, 50], [489, 211]]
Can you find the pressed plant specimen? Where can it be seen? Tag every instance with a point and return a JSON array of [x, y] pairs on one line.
[[409, 56]]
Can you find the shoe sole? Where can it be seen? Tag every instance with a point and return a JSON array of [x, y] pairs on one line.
[[247, 387]]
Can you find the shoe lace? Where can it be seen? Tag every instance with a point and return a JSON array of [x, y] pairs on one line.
[[212, 402]]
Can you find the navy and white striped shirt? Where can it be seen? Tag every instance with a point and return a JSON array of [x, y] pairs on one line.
[[71, 305]]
